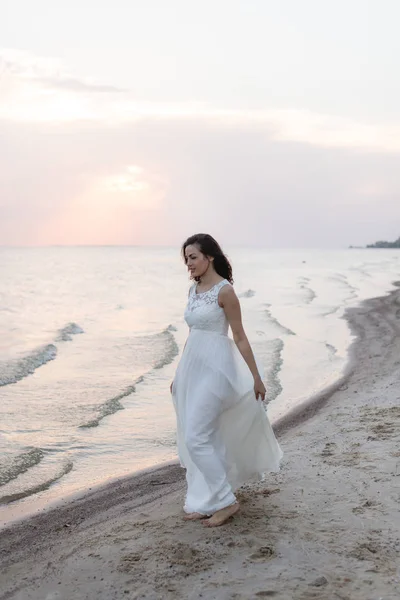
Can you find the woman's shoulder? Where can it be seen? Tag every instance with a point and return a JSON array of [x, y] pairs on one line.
[[226, 294], [224, 283], [225, 288]]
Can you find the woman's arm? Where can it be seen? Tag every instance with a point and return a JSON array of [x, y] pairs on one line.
[[231, 305]]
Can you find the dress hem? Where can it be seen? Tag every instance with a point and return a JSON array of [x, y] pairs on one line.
[[211, 512]]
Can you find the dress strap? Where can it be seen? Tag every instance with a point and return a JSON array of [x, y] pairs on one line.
[[221, 284], [217, 288]]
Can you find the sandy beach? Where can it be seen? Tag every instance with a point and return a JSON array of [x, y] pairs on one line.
[[326, 527]]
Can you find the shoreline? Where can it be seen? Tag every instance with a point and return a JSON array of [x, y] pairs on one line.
[[43, 506], [18, 513], [311, 406], [51, 493], [294, 417], [376, 323], [290, 420]]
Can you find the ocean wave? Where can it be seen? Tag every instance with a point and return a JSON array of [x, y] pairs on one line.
[[171, 347], [169, 350], [309, 293], [12, 496], [167, 442], [65, 334], [331, 349], [353, 293], [247, 294], [330, 311], [276, 324], [274, 350], [344, 283], [337, 277], [268, 356], [109, 407], [157, 349], [14, 370], [361, 271], [20, 464]]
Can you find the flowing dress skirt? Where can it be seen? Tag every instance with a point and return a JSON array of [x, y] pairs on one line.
[[224, 435]]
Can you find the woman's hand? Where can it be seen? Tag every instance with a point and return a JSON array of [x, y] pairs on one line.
[[170, 387], [259, 389]]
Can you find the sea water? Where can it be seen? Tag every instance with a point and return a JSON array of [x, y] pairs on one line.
[[91, 336]]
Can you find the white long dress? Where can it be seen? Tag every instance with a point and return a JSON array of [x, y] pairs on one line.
[[224, 435]]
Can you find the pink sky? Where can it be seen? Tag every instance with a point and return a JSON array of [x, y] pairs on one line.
[[286, 134]]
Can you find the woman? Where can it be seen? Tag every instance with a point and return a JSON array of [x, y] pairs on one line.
[[224, 436]]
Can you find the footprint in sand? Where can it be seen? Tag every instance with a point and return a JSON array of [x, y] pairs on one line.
[[127, 562], [329, 449], [350, 459], [368, 504], [262, 554], [384, 431], [366, 550], [382, 552], [268, 492], [345, 459], [381, 421], [165, 557]]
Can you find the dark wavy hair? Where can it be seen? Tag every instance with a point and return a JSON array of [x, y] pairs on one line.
[[210, 247]]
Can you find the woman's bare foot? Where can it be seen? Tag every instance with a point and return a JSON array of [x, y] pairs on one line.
[[222, 516], [194, 516]]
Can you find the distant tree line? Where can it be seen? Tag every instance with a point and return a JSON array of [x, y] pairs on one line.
[[395, 244]]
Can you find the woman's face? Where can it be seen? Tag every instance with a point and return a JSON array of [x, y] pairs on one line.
[[196, 262]]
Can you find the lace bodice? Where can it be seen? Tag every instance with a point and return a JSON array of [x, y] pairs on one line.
[[203, 311]]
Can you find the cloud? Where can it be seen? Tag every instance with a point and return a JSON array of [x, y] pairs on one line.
[[37, 89], [47, 72], [77, 85], [24, 64], [157, 181], [81, 167]]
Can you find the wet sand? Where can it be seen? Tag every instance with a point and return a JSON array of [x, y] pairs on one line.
[[326, 527]]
